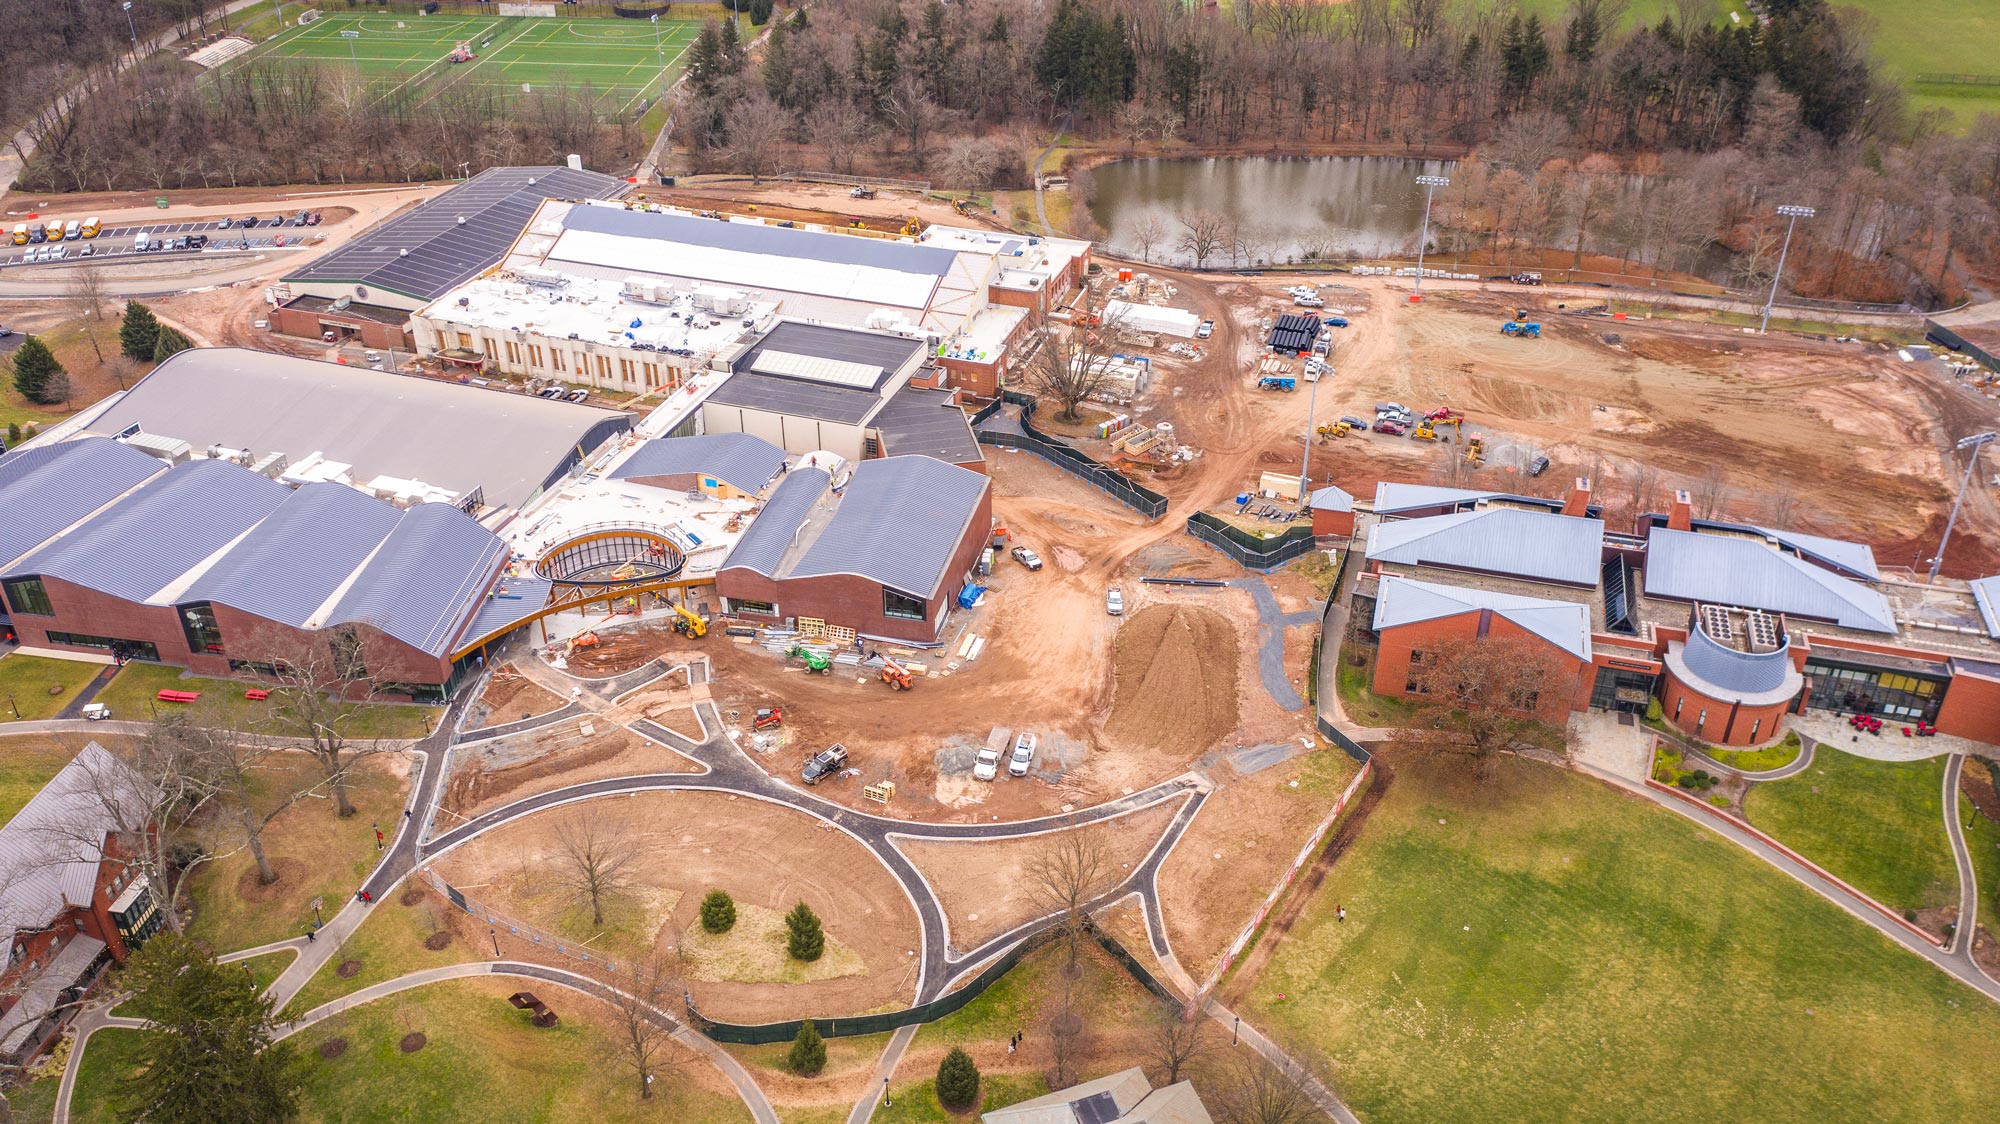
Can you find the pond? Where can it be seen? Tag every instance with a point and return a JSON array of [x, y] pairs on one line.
[[1334, 204]]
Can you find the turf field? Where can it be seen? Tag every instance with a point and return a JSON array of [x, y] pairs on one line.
[[402, 57]]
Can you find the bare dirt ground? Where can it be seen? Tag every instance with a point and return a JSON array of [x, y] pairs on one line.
[[986, 888], [1175, 680], [690, 843], [510, 697], [486, 775]]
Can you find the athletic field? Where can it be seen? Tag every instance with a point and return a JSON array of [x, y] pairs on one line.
[[402, 58]]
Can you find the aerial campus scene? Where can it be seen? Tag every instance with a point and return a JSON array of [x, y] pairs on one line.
[[1379, 561]]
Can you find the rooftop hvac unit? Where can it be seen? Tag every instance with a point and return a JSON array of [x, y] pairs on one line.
[[272, 465], [722, 302], [542, 278]]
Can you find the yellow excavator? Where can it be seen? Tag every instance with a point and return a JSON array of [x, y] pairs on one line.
[[912, 227], [688, 623]]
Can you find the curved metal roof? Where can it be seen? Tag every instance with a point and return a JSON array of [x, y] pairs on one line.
[[741, 460], [900, 523], [426, 579], [289, 564], [1744, 673], [762, 547], [48, 488]]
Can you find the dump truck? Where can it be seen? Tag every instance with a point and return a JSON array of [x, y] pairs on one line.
[[812, 660], [824, 764], [895, 675], [1530, 329], [1277, 382]]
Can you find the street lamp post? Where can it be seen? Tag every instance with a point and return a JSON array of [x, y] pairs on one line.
[[1973, 443], [659, 52], [1793, 214], [12, 707], [351, 36], [129, 25], [1430, 185]]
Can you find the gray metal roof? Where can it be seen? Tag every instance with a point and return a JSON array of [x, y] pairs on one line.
[[426, 580], [141, 544], [753, 238], [456, 437], [1727, 570], [1331, 498], [47, 488], [1856, 558], [1537, 545], [927, 423], [849, 345], [1401, 601], [807, 398], [1402, 497], [508, 603], [741, 460], [1986, 593], [899, 523], [1738, 672], [287, 567], [762, 547], [496, 205], [50, 849]]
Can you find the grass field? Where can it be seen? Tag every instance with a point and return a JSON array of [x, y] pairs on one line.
[[24, 769], [26, 683], [133, 696], [389, 943], [1531, 946], [1877, 824], [400, 57]]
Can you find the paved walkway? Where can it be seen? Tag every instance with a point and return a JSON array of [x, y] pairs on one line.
[[1272, 622], [1889, 745]]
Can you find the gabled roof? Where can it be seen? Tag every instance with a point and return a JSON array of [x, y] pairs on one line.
[[142, 543], [288, 565], [1727, 570], [762, 547], [1331, 498], [1541, 546], [1086, 1103], [1856, 558], [50, 850], [1986, 592], [900, 521], [426, 580], [740, 460], [47, 488], [1402, 601], [1391, 498]]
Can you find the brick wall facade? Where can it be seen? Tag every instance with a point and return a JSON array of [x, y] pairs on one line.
[[307, 324], [1393, 660], [1716, 721]]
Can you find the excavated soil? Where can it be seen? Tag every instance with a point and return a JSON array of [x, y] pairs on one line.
[[1174, 670], [510, 697]]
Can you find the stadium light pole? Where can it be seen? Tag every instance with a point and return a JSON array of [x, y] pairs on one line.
[[1430, 185], [1973, 443], [131, 26], [351, 36], [660, 52], [1794, 214]]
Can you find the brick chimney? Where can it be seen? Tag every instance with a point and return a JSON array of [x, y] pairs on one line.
[[1578, 502], [1681, 518]]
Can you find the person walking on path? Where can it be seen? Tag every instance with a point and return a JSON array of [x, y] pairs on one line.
[[311, 936], [1340, 913]]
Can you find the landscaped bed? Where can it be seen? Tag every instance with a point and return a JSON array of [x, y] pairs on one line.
[[1524, 944]]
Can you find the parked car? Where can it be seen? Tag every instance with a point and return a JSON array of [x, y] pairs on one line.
[[300, 219], [1309, 302], [1026, 557], [578, 395], [95, 712], [197, 241], [1538, 466], [181, 243], [89, 250], [1114, 601], [825, 763], [1335, 321], [313, 219], [987, 766], [1354, 422], [1391, 426], [1023, 757], [5, 331], [249, 222], [1206, 330], [225, 223], [549, 392]]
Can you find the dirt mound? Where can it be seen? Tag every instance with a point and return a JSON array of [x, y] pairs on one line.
[[1175, 680]]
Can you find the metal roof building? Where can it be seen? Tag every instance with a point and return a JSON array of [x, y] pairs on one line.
[[927, 423], [1731, 570], [899, 523], [1400, 601], [419, 255], [762, 548], [739, 460], [461, 438], [427, 579], [1509, 541], [287, 566], [48, 488]]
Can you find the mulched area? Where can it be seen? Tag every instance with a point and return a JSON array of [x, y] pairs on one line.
[[348, 969], [332, 1048], [1976, 781], [438, 940], [412, 1042]]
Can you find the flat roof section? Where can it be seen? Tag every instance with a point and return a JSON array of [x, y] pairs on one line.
[[927, 423], [846, 345], [444, 252], [456, 437], [741, 460]]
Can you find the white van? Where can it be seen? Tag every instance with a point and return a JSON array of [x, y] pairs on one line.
[[139, 241], [72, 230]]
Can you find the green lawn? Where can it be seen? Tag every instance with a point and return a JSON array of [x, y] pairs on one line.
[[389, 943], [483, 1063], [1557, 951], [1363, 706], [265, 968], [1878, 825], [134, 696], [24, 769], [110, 1056], [917, 1103], [316, 854], [25, 683], [1982, 842], [1760, 760]]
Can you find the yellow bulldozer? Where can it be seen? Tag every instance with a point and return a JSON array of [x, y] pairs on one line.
[[1424, 431], [1475, 448]]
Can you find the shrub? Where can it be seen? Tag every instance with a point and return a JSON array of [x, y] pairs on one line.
[[718, 912], [803, 938], [13, 434], [1653, 711], [957, 1080], [808, 1053]]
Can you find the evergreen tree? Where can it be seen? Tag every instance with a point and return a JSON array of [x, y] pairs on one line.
[[139, 332], [1586, 29], [13, 434], [957, 1081], [808, 1053], [206, 1055], [169, 341], [732, 55], [760, 12], [998, 32], [803, 937], [704, 61], [779, 67], [718, 912], [37, 374]]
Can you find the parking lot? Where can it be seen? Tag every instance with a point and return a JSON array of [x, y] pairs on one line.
[[118, 241]]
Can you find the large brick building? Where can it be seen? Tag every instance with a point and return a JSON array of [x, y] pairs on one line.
[[882, 549], [1730, 627]]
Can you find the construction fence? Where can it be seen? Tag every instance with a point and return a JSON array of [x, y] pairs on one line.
[[1252, 552], [1143, 500]]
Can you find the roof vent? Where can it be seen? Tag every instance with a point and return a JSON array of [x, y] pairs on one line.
[[403, 253], [531, 181]]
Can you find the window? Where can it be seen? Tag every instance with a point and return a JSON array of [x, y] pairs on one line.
[[491, 351], [759, 608], [1678, 704], [901, 605], [464, 341], [123, 649], [346, 646], [534, 355], [555, 359], [603, 367], [28, 596], [1416, 657], [513, 352], [625, 369], [1701, 720], [198, 622], [1753, 729]]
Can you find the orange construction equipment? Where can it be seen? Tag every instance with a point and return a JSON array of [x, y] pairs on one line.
[[895, 674], [582, 640]]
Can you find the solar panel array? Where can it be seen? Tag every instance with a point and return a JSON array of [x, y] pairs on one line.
[[444, 252]]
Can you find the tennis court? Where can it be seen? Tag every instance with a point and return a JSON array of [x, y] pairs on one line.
[[403, 58]]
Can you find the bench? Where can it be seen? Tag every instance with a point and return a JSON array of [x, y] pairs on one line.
[[179, 696], [256, 694]]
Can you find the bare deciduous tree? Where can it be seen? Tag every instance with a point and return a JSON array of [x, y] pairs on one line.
[[594, 854], [320, 706], [1069, 871], [1782, 506], [1203, 235], [1177, 1040], [1073, 361], [1257, 1090], [1711, 493], [1149, 231], [1474, 695], [756, 128], [83, 298], [840, 128], [1642, 488], [643, 1038], [967, 164]]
